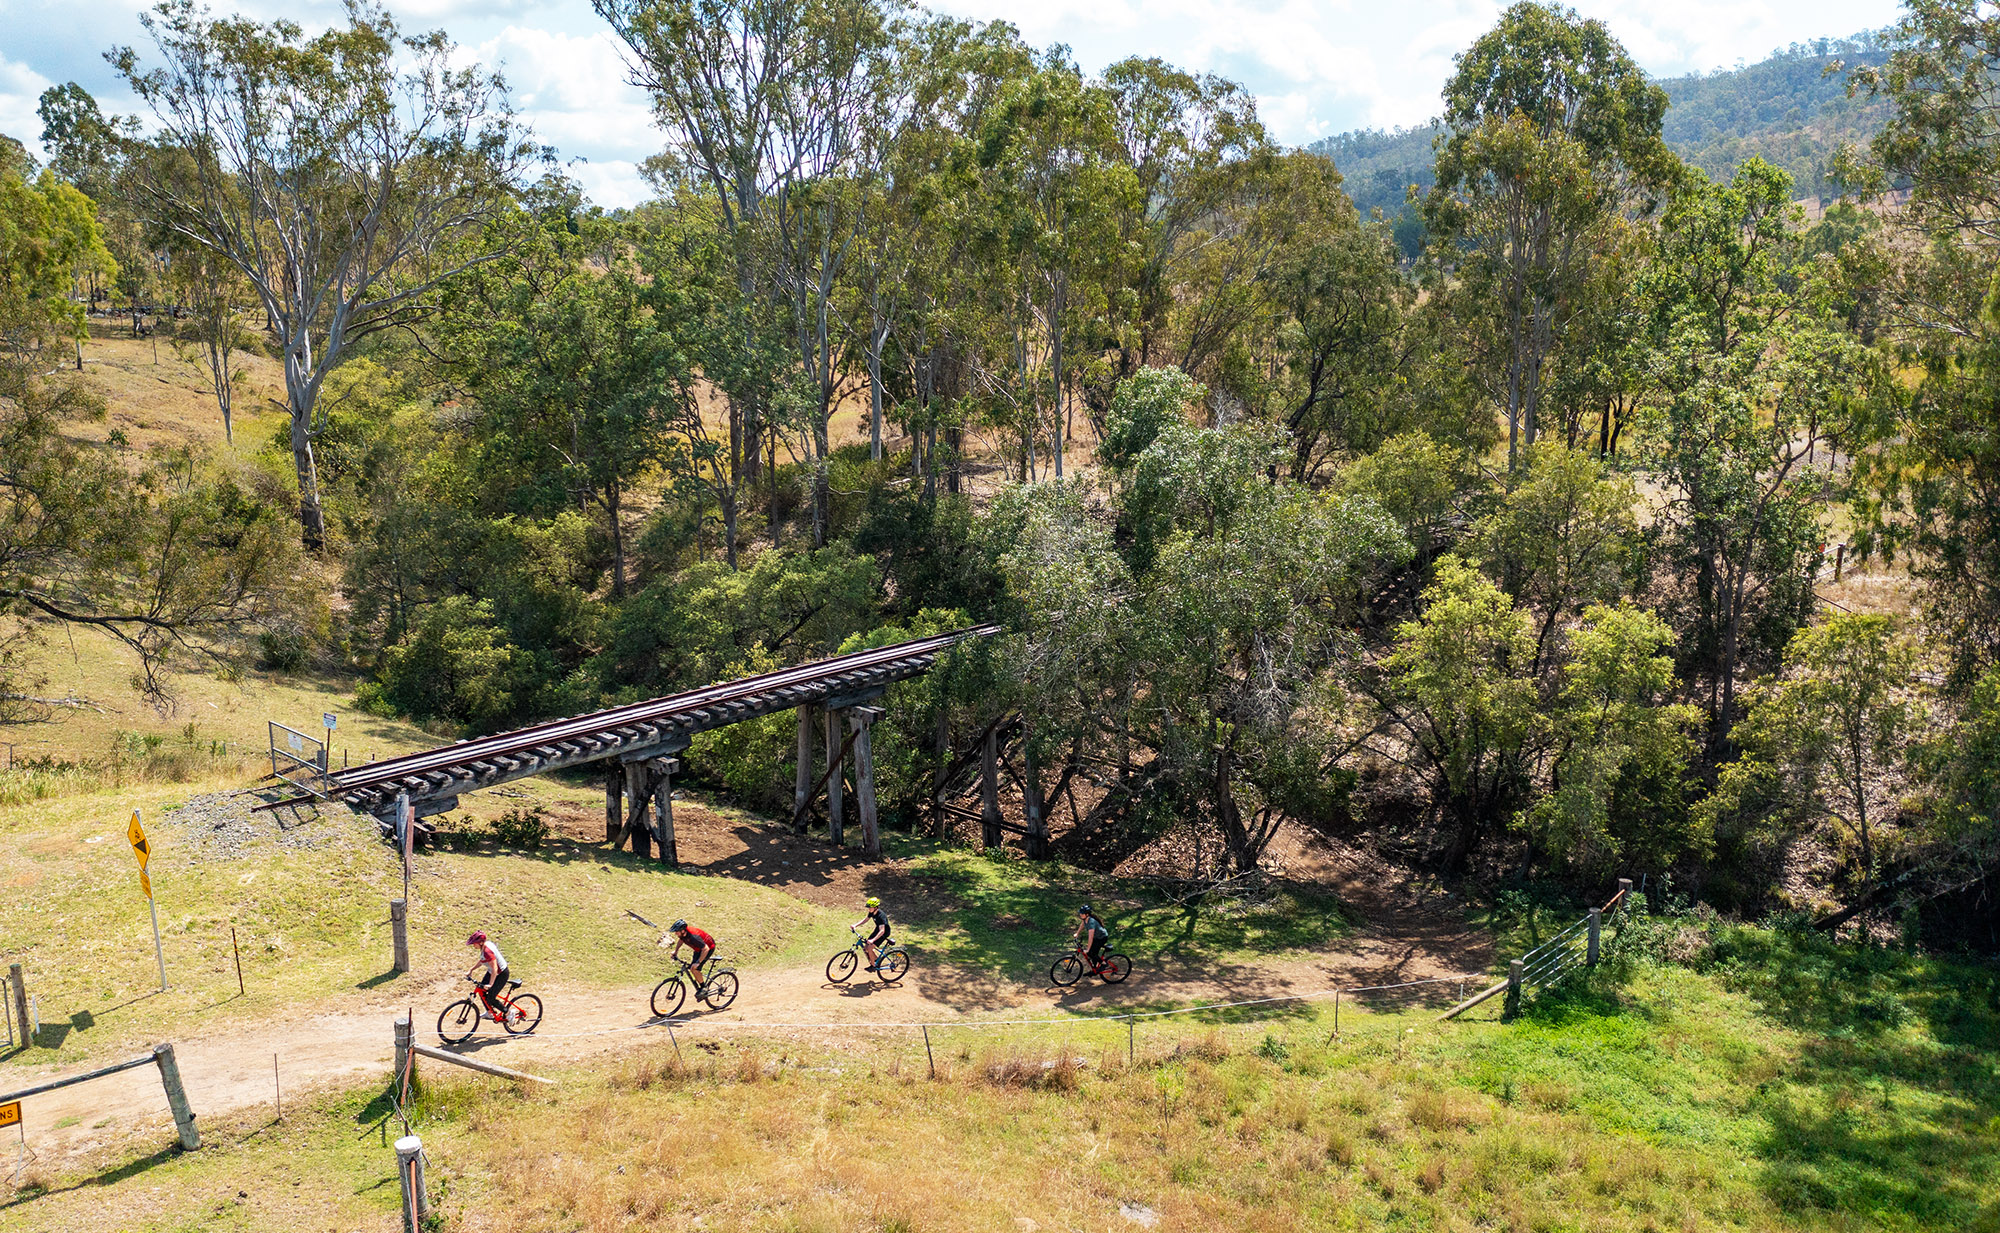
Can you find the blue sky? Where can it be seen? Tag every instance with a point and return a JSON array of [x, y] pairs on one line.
[[1316, 67]]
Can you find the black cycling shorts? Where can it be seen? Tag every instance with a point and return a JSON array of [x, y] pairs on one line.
[[1098, 941]]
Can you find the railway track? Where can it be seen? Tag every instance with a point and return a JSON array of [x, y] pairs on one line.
[[657, 727]]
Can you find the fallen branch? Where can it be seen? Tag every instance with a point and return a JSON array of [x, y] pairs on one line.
[[70, 700], [483, 1067]]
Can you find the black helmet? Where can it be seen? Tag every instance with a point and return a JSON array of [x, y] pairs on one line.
[[679, 926], [1084, 910]]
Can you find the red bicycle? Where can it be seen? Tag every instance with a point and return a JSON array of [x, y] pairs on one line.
[[1070, 968], [518, 1013]]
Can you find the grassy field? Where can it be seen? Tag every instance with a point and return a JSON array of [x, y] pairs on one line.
[[1748, 1092]]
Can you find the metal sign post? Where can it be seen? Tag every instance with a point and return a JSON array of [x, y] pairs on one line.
[[144, 851]]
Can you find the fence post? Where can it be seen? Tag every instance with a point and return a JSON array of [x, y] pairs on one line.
[[170, 1078], [405, 1063], [20, 985], [399, 926], [1514, 982], [410, 1171], [1596, 923], [1624, 890]]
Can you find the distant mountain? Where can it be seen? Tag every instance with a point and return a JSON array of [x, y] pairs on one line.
[[1785, 108]]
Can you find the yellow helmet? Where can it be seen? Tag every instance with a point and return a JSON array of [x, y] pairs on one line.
[[873, 902]]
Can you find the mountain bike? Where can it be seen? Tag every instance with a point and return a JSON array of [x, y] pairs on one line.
[[518, 1013], [1070, 968], [719, 990], [891, 962]]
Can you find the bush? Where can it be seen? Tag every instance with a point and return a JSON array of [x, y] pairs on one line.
[[521, 828], [282, 650], [456, 664]]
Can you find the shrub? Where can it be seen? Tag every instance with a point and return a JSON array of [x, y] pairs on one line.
[[282, 650], [456, 664], [521, 828]]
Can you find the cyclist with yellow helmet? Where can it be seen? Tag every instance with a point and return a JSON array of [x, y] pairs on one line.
[[878, 932]]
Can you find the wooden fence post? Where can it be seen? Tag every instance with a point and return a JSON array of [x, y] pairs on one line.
[[1514, 983], [1596, 922], [989, 788], [410, 1170], [399, 927], [170, 1078], [835, 764], [405, 1062], [19, 984]]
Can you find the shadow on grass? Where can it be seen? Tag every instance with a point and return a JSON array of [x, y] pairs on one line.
[[1890, 1108], [109, 1177]]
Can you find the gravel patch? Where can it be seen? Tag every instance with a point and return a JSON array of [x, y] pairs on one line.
[[222, 826]]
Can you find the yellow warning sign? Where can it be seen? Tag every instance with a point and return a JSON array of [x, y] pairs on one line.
[[10, 1113], [137, 835], [145, 884]]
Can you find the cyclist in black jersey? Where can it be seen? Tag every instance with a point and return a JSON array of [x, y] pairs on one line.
[[1091, 928], [878, 932]]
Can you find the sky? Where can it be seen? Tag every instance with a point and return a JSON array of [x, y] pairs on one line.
[[1317, 67]]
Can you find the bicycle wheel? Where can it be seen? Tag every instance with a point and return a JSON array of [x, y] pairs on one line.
[[720, 990], [1067, 971], [668, 996], [1116, 968], [530, 1007], [841, 966], [458, 1022], [894, 964]]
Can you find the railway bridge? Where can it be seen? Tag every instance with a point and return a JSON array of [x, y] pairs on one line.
[[638, 746]]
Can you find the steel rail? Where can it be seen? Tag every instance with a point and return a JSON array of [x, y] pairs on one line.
[[820, 672]]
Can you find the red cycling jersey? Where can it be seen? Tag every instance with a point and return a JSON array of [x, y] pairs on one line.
[[697, 939]]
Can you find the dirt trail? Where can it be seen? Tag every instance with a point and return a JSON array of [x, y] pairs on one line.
[[1407, 938]]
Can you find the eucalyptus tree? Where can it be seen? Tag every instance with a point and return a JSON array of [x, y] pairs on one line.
[[1204, 167], [1749, 375], [1553, 130], [581, 365], [1823, 736], [347, 175], [153, 552], [764, 101], [1059, 189], [1201, 636]]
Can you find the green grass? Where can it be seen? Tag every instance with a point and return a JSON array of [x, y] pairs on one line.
[[1015, 915], [328, 1165], [312, 923]]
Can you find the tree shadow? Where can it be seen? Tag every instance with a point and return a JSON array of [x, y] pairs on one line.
[[375, 982], [1890, 1104], [109, 1177]]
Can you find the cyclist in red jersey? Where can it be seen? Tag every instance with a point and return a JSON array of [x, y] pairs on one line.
[[702, 945], [494, 983]]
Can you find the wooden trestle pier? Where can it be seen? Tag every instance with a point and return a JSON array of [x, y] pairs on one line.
[[638, 747]]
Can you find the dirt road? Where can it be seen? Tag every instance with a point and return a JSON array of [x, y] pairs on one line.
[[1407, 938]]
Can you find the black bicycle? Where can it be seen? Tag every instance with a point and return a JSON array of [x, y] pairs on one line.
[[890, 962], [719, 990], [518, 1013], [1070, 968]]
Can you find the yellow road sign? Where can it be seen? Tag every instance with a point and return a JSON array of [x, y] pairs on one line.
[[10, 1113], [145, 884], [137, 835]]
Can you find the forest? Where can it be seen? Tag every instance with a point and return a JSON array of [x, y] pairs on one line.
[[1503, 550]]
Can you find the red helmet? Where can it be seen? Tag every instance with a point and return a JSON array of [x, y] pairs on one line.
[[478, 937]]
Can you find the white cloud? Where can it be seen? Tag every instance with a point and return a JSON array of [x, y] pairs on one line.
[[20, 92], [1317, 66], [1320, 67]]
